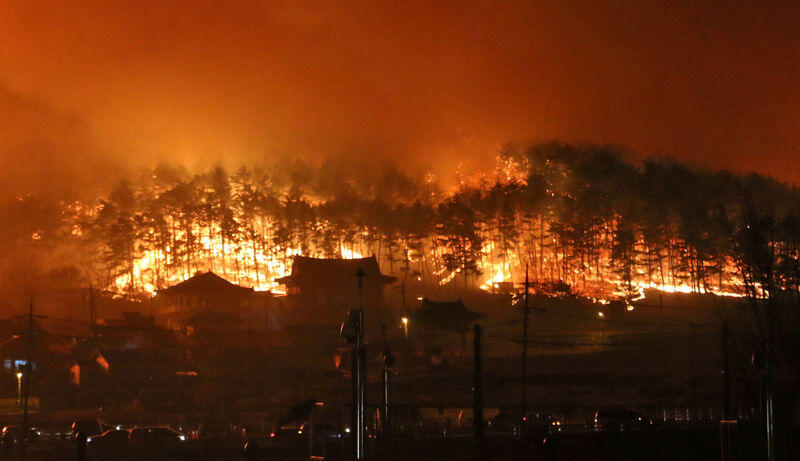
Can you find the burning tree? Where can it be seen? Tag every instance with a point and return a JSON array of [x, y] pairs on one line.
[[582, 217]]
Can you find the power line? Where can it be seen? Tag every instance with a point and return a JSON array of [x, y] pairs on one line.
[[596, 344]]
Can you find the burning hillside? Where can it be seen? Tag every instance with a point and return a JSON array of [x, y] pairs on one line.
[[582, 219]]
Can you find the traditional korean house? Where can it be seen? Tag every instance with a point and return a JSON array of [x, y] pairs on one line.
[[206, 292], [321, 291], [443, 325]]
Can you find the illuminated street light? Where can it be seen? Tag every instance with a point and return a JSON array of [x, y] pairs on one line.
[[19, 387], [601, 314], [405, 327]]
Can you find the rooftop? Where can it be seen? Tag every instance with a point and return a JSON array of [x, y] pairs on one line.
[[207, 283], [310, 270], [445, 315]]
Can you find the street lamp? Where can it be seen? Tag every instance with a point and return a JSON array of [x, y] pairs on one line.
[[19, 387], [405, 327]]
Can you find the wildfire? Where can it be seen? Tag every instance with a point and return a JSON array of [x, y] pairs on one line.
[[146, 275], [258, 266], [348, 253], [497, 278], [490, 245], [639, 288]]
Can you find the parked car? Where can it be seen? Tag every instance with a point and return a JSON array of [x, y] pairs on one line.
[[620, 420], [321, 429], [14, 436], [541, 423], [110, 444], [285, 431], [505, 423], [294, 432], [155, 440], [88, 427]]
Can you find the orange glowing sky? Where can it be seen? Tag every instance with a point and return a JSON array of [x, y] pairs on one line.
[[86, 83]]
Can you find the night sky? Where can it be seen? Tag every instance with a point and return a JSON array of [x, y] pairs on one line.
[[88, 86]]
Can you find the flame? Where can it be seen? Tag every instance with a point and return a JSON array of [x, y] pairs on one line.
[[640, 287], [221, 258], [150, 271], [254, 259], [349, 253], [259, 267], [449, 277], [498, 277]]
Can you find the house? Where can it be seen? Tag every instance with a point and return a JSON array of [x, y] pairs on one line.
[[101, 375], [50, 368], [206, 292], [444, 316], [323, 290], [443, 325], [14, 347], [131, 330]]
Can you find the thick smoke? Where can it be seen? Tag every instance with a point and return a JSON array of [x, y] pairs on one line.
[[91, 92], [45, 152], [580, 217], [441, 82]]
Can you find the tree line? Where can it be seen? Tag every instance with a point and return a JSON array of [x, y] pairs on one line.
[[584, 219]]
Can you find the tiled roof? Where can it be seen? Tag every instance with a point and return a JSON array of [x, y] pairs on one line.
[[310, 270], [207, 283]]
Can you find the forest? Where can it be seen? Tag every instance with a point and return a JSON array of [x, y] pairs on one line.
[[583, 219]]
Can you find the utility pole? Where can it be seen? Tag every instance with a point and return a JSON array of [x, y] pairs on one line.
[[359, 372], [525, 314], [477, 395], [768, 407], [360, 274], [726, 372], [388, 362], [27, 378], [692, 384], [353, 331], [726, 423], [359, 375]]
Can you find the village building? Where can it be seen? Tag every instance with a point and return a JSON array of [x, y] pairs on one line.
[[321, 291], [201, 302], [131, 330], [442, 326], [101, 373]]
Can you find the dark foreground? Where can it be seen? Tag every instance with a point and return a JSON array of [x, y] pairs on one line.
[[658, 444]]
